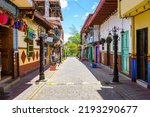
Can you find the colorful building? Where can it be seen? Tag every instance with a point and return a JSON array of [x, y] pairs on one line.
[[102, 22], [9, 64], [131, 20], [21, 25], [87, 41], [139, 12]]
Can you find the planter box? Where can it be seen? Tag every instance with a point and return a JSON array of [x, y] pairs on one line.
[[52, 68], [93, 65]]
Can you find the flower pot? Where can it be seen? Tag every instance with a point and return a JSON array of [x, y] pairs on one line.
[[93, 65]]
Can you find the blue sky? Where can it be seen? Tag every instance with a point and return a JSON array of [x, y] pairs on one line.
[[75, 13]]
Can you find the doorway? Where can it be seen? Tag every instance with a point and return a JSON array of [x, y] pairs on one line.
[[125, 52], [6, 50], [97, 54], [142, 50]]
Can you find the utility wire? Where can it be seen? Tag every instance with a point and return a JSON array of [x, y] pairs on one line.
[[85, 10]]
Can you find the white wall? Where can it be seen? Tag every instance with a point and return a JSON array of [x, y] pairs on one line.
[[107, 26], [96, 32]]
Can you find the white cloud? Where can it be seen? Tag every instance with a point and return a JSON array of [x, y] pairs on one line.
[[64, 3], [76, 15], [94, 5], [85, 16], [66, 36]]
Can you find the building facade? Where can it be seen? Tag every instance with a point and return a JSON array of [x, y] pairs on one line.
[[131, 20], [139, 12], [22, 23]]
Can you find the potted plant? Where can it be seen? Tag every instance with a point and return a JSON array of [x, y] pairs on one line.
[[93, 64], [102, 41], [108, 39], [27, 40]]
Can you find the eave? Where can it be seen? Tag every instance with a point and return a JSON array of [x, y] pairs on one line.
[[103, 11]]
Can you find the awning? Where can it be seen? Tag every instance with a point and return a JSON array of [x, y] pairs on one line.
[[103, 11], [42, 21]]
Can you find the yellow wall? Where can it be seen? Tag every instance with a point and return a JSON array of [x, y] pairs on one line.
[[22, 3], [26, 60], [22, 45], [142, 21], [21, 35], [133, 7]]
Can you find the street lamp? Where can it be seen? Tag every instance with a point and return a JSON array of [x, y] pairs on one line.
[[115, 46], [42, 76]]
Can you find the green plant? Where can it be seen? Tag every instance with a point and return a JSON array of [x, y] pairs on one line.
[[108, 39], [102, 41]]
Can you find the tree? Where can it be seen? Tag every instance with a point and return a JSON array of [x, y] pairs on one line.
[[75, 39], [73, 43], [73, 30]]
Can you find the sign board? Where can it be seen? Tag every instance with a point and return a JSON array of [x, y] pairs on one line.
[[49, 39]]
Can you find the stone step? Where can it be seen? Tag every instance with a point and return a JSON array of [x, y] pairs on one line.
[[4, 87], [5, 95], [5, 79]]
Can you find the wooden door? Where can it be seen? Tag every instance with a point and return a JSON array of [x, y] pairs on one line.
[[125, 52], [6, 49], [142, 50], [97, 54]]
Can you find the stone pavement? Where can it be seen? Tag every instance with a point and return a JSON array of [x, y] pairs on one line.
[[28, 86], [129, 90], [75, 80]]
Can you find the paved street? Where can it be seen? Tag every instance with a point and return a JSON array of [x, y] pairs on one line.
[[75, 80], [72, 80]]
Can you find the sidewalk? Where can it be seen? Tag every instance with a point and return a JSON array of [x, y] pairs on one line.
[[126, 88], [27, 87]]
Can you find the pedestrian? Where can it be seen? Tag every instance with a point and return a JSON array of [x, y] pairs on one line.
[[53, 56]]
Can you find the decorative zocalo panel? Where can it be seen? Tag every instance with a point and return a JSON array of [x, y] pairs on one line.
[[23, 58]]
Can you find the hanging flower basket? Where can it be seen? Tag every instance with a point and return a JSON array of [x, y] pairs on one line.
[[27, 40], [102, 41], [108, 39]]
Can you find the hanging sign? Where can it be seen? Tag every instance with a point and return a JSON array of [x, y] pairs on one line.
[[49, 39]]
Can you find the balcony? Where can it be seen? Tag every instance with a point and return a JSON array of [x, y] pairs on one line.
[[133, 7], [51, 10], [22, 3]]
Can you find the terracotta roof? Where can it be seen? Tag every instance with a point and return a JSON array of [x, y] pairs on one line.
[[86, 23], [103, 11]]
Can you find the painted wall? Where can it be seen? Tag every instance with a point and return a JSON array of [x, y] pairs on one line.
[[142, 21], [129, 6], [27, 64], [96, 32], [22, 45], [107, 26]]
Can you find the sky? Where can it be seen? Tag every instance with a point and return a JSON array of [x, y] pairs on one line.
[[75, 12]]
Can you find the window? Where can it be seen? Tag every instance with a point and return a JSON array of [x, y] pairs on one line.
[[30, 44]]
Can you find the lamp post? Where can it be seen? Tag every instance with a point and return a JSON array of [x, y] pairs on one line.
[[115, 45], [42, 76]]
